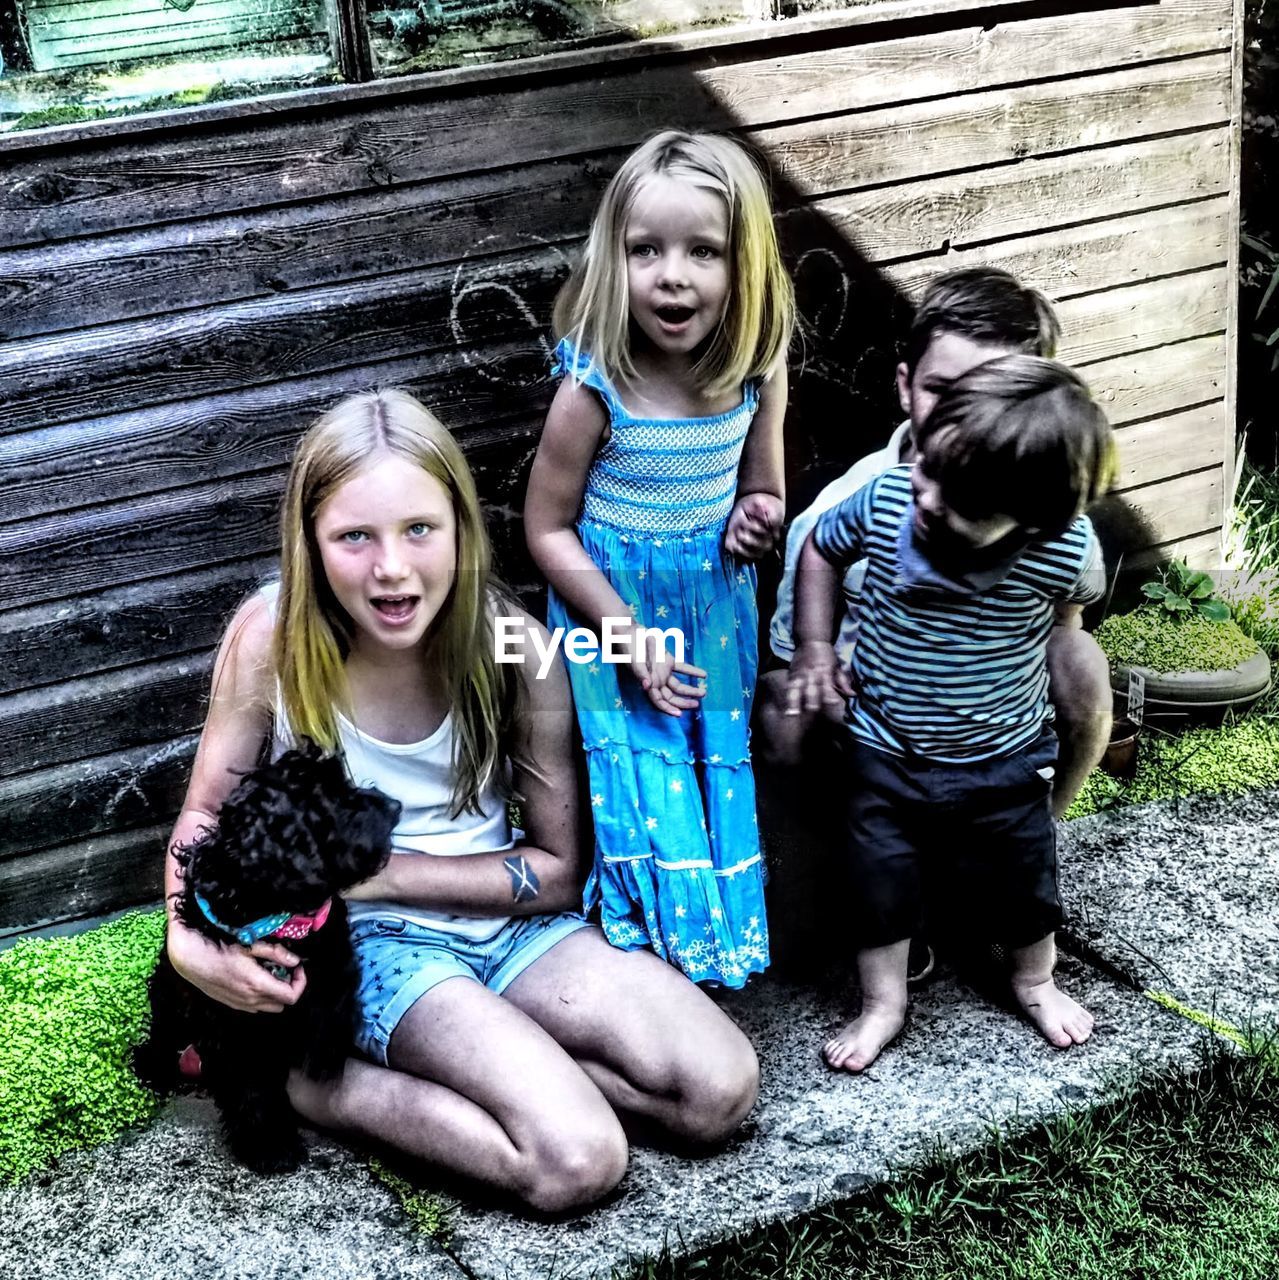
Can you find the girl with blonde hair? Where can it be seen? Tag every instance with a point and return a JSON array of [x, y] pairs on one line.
[[657, 482], [378, 642]]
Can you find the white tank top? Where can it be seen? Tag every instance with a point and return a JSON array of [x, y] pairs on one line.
[[420, 776]]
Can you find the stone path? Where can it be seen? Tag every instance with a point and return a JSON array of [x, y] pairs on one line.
[[1182, 897]]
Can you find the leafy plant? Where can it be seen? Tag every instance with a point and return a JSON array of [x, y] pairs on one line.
[[1182, 590]]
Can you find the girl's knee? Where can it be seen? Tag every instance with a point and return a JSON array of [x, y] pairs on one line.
[[572, 1170], [717, 1096]]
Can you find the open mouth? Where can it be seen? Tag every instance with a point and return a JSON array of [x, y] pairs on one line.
[[675, 315], [394, 608]]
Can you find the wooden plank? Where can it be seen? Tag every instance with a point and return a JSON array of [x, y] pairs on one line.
[[115, 627], [127, 456], [1157, 382], [151, 703], [82, 880], [1157, 448], [150, 537], [1137, 317], [1185, 505], [1201, 551], [1097, 255], [97, 186], [194, 441], [281, 250], [955, 210], [125, 366], [52, 807], [180, 530], [219, 259], [925, 138], [120, 367]]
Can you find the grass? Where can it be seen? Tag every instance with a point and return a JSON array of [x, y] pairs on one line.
[[1180, 1179], [1228, 759], [72, 1007]]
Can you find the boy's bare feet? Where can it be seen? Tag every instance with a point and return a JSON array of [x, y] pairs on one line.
[[882, 974], [857, 1044], [1060, 1020]]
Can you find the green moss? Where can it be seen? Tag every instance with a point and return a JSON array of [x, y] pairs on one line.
[[1148, 638], [1231, 760], [430, 1213], [72, 1008]]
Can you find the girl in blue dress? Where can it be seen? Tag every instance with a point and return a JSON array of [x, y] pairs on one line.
[[657, 482]]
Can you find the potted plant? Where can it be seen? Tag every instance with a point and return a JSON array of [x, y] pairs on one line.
[[1193, 657]]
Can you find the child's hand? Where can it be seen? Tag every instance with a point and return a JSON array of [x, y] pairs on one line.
[[754, 526], [816, 679], [660, 674]]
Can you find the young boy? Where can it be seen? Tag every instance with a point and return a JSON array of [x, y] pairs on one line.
[[971, 555], [963, 319]]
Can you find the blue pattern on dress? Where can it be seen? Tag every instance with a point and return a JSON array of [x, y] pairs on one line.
[[677, 858]]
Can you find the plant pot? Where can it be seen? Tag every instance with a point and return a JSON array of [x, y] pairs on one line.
[[1120, 760], [1203, 694]]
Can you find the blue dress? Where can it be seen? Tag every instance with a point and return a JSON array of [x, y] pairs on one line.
[[677, 856]]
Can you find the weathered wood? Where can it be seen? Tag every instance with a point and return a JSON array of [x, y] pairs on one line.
[[919, 139], [1145, 315], [1182, 506], [134, 788], [1159, 447], [121, 367], [1202, 551], [1156, 382], [152, 537], [1098, 255], [40, 728], [125, 366], [178, 531], [956, 210], [82, 880], [223, 259], [99, 186], [110, 629], [190, 441]]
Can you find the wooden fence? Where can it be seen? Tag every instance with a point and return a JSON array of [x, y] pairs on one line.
[[179, 294]]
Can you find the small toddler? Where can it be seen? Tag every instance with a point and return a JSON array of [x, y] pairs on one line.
[[973, 553]]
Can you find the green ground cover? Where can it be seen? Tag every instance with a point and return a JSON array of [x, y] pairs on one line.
[[1179, 1179]]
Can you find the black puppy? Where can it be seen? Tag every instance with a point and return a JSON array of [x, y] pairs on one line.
[[289, 839]]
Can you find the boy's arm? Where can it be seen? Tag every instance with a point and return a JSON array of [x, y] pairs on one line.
[[815, 679]]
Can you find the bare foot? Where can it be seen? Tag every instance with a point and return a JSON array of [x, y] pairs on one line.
[[855, 1046], [1060, 1020]]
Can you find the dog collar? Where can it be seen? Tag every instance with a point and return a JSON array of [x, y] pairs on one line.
[[281, 925]]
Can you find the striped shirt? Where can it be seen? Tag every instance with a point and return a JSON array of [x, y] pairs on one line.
[[948, 674]]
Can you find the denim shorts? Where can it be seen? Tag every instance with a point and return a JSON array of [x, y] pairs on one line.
[[964, 847], [401, 960]]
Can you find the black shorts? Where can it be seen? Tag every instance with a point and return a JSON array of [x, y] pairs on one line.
[[967, 847]]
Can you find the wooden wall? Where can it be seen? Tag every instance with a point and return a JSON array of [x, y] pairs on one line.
[[180, 294]]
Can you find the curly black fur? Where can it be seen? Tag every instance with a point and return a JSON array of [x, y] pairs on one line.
[[293, 834]]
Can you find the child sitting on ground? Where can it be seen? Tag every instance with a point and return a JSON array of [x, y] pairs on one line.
[[971, 553]]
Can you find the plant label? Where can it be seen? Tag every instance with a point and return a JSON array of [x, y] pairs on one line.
[[1136, 697]]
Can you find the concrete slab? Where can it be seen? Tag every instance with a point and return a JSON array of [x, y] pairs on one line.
[[1185, 896], [167, 1201], [814, 1137]]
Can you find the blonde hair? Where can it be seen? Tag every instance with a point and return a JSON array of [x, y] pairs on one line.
[[593, 307], [313, 632]]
